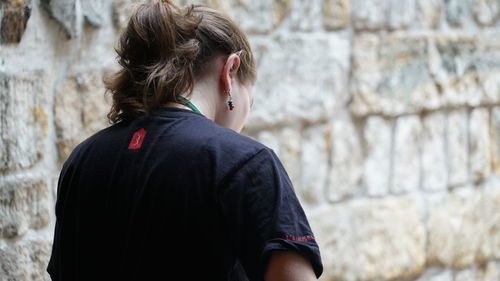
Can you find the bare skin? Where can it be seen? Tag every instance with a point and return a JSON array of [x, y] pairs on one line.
[[211, 93], [288, 266]]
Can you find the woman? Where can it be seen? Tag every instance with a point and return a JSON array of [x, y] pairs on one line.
[[172, 188]]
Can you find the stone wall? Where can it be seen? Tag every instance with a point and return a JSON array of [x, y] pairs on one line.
[[386, 114]]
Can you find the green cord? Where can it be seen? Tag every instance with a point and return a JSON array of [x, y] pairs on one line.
[[186, 102]]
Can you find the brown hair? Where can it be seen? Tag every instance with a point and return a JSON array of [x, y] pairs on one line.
[[164, 49]]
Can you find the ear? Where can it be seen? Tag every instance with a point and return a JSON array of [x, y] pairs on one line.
[[229, 70]]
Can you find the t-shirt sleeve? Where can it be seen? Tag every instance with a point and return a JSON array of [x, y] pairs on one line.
[[262, 213]]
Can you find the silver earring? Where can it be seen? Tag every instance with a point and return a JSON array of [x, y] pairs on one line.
[[230, 101]]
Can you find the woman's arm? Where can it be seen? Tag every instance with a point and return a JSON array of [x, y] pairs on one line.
[[288, 266]]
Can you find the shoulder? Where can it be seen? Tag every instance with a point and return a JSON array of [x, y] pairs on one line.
[[211, 137], [230, 152]]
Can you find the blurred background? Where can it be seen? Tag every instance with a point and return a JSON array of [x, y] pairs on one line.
[[385, 113]]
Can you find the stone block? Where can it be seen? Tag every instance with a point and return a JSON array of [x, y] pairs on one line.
[[66, 14], [479, 144], [401, 14], [403, 74], [382, 14], [290, 153], [429, 13], [455, 228], [495, 139], [391, 77], [406, 168], [465, 275], [258, 16], [457, 11], [314, 161], [25, 260], [486, 12], [434, 274], [23, 119], [372, 239], [14, 15], [369, 14], [489, 271], [487, 64], [297, 81], [270, 139], [346, 160], [489, 211], [80, 110], [336, 14], [456, 73], [463, 227], [94, 12], [377, 164], [457, 147], [305, 15], [24, 204], [434, 168], [122, 10]]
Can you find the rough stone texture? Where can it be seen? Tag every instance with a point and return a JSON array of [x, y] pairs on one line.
[[311, 82], [489, 271], [457, 11], [463, 227], [65, 13], [314, 170], [490, 215], [25, 260], [336, 14], [434, 168], [270, 139], [305, 15], [406, 154], [346, 161], [23, 119], [429, 13], [401, 74], [457, 77], [23, 205], [465, 275], [457, 147], [122, 10], [258, 16], [290, 153], [495, 143], [488, 67], [434, 274], [376, 168], [369, 14], [479, 144], [343, 89], [372, 239], [392, 78], [14, 17], [455, 229], [92, 11], [486, 12], [401, 13], [80, 110]]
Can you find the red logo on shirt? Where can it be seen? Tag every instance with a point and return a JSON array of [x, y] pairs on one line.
[[298, 238], [137, 139]]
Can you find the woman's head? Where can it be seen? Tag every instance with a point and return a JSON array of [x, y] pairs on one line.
[[165, 50]]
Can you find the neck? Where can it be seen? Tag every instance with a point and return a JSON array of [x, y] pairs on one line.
[[203, 102], [202, 98]]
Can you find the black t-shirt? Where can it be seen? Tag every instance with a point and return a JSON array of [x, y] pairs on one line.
[[173, 194]]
